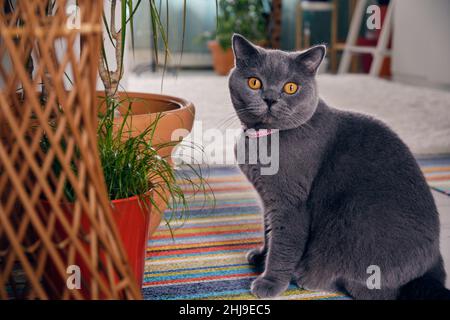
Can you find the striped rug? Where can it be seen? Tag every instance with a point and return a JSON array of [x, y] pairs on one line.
[[206, 257], [437, 172]]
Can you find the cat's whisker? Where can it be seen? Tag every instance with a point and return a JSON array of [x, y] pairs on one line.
[[310, 129], [234, 117], [229, 119], [226, 119], [228, 123]]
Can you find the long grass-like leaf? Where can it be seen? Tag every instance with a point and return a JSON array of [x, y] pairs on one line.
[[136, 7], [123, 32], [160, 28], [130, 20], [108, 31], [166, 51], [154, 29], [183, 32]]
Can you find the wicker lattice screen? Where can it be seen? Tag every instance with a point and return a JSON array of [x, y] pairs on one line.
[[55, 218]]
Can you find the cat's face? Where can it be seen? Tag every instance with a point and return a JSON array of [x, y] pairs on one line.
[[273, 89]]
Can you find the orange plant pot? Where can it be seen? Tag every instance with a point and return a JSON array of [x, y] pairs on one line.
[[174, 114], [133, 221], [223, 60], [132, 218]]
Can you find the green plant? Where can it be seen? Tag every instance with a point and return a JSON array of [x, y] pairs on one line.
[[131, 164], [247, 17]]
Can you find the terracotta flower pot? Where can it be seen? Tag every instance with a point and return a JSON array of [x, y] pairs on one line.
[[223, 60], [174, 113], [132, 218]]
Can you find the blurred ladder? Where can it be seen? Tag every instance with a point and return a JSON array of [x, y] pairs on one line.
[[379, 52]]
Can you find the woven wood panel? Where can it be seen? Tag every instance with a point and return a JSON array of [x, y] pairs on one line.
[[54, 210]]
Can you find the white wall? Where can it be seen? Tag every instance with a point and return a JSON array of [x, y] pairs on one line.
[[421, 42]]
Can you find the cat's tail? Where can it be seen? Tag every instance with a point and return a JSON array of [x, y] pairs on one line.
[[430, 286]]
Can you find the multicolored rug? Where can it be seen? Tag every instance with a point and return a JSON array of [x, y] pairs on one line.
[[437, 172], [206, 257]]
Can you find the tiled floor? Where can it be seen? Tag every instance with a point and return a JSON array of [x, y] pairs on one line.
[[443, 204]]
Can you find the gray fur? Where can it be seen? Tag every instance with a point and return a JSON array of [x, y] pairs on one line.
[[348, 194]]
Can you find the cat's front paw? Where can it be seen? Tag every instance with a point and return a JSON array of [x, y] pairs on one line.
[[256, 258], [263, 287]]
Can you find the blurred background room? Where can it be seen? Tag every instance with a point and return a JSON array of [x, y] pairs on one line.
[[386, 58]]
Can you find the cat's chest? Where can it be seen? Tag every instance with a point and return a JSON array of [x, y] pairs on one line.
[[263, 184], [283, 163]]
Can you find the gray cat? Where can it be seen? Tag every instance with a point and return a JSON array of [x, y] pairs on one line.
[[348, 196]]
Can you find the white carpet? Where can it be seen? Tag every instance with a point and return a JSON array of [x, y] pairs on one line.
[[421, 116]]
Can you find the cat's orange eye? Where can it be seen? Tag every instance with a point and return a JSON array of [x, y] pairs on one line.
[[290, 88], [254, 83]]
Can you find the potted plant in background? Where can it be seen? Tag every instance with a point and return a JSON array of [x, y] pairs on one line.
[[171, 113], [247, 17], [136, 139]]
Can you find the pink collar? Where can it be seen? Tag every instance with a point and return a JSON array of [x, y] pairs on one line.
[[252, 133]]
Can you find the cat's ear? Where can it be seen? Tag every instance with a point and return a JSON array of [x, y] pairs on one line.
[[312, 58], [244, 51]]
